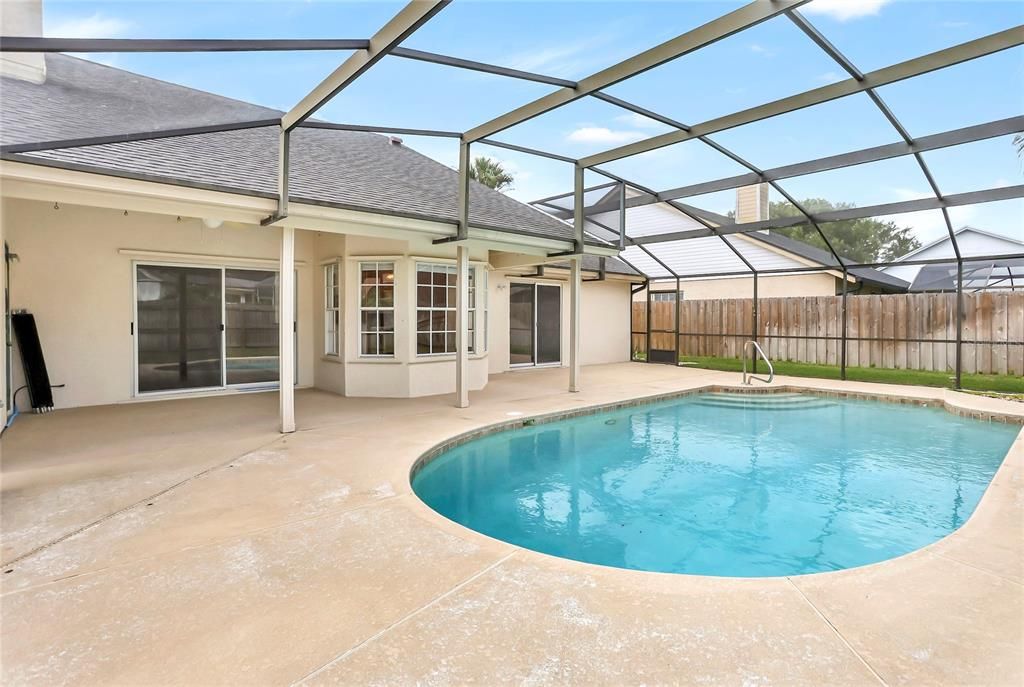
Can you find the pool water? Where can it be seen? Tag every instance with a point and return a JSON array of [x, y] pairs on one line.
[[725, 484]]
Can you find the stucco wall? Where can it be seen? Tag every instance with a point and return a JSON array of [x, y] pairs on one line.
[[604, 318], [75, 276], [71, 276]]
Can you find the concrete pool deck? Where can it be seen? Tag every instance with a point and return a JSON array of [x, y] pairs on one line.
[[186, 542]]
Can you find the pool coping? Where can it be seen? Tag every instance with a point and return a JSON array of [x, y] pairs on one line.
[[527, 420]]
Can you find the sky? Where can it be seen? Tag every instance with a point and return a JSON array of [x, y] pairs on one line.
[[574, 39]]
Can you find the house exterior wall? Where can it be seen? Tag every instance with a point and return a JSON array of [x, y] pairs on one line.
[[604, 318], [72, 276], [75, 274], [743, 287], [970, 243]]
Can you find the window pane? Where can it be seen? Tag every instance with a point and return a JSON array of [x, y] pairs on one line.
[[369, 344], [369, 297], [423, 320], [422, 275], [451, 297], [439, 299], [423, 344], [423, 296], [437, 342], [369, 321], [387, 321], [386, 273], [369, 275], [386, 294], [450, 340], [387, 344], [439, 279]]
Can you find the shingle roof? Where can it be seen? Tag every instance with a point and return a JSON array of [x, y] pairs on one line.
[[865, 274], [81, 99], [346, 169]]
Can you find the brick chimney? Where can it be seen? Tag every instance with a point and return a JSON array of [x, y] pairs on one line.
[[752, 203], [22, 18]]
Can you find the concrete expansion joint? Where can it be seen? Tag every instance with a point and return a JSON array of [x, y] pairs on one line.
[[136, 504], [409, 616], [210, 544], [990, 573], [837, 633]]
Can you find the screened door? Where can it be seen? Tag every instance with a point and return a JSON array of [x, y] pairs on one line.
[[179, 327], [535, 324]]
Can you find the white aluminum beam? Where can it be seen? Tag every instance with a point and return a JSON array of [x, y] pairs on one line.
[[286, 331], [941, 59], [722, 27], [408, 19], [462, 327], [575, 291]]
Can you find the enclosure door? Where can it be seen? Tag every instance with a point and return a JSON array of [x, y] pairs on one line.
[[178, 321], [535, 324]]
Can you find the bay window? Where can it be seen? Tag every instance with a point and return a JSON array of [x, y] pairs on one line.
[[332, 309], [435, 308], [377, 309]]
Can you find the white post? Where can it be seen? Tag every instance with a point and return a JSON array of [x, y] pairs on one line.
[[575, 287], [462, 328], [286, 330]]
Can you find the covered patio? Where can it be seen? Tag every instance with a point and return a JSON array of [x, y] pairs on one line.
[[194, 524]]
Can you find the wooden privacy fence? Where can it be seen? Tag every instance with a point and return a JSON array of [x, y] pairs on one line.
[[901, 331]]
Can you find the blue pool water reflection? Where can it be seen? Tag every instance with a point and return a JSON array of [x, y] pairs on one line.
[[725, 484]]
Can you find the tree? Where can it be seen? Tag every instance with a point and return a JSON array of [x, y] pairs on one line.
[[490, 173], [864, 240], [1018, 142]]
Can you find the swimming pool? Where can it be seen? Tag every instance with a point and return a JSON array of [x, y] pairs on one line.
[[743, 485]]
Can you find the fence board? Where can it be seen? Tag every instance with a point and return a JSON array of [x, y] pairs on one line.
[[914, 331]]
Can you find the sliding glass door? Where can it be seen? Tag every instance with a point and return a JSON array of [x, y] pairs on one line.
[[205, 327], [251, 336], [178, 327], [535, 324]]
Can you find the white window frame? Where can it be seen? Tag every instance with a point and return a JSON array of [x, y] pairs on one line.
[[332, 309], [477, 287], [377, 308]]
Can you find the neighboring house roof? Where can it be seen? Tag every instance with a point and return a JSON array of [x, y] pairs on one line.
[[344, 169], [959, 232], [866, 275]]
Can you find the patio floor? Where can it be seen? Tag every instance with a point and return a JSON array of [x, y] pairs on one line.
[[187, 542]]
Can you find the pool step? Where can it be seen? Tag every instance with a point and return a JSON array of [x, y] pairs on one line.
[[780, 401]]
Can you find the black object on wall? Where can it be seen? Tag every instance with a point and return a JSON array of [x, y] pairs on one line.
[[36, 376]]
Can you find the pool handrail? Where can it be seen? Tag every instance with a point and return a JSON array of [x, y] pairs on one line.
[[760, 352]]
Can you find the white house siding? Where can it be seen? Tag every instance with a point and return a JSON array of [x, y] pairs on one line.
[[971, 243]]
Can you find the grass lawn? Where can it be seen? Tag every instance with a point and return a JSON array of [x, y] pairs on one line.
[[1003, 384]]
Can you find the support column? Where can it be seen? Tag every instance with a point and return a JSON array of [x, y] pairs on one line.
[[753, 334], [843, 342], [679, 312], [575, 288], [286, 330], [959, 320], [462, 327]]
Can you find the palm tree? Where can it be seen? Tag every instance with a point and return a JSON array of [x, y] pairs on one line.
[[1018, 141], [490, 173]]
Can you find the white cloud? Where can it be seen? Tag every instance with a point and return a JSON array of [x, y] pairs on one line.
[[641, 122], [845, 10], [601, 134], [566, 59], [829, 77], [95, 26], [761, 50]]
